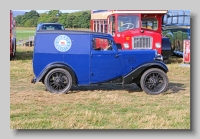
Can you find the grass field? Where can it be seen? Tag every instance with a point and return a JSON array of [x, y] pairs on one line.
[[97, 107], [23, 33]]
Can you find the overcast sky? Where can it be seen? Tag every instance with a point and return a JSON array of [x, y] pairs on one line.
[[42, 11]]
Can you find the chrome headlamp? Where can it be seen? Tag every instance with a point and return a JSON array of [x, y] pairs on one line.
[[159, 57]]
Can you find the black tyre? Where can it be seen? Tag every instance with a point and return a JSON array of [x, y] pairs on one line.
[[154, 81], [58, 81], [11, 57], [14, 49]]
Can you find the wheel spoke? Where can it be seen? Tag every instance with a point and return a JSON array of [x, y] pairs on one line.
[[154, 82], [58, 81], [51, 83]]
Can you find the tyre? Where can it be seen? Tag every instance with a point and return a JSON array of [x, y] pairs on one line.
[[14, 49], [154, 81], [11, 57], [58, 81]]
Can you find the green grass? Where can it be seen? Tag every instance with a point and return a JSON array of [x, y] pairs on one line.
[[93, 107], [96, 107], [24, 33]]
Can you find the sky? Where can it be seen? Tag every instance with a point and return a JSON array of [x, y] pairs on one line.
[[42, 11]]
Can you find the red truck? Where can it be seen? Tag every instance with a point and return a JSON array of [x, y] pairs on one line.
[[133, 29], [12, 36]]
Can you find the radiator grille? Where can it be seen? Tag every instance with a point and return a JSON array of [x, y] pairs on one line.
[[142, 42]]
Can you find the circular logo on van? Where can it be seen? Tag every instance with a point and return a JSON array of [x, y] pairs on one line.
[[62, 43]]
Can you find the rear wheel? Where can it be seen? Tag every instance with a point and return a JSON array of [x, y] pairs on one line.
[[154, 81], [58, 81]]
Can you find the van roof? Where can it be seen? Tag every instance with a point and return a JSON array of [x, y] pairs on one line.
[[73, 32]]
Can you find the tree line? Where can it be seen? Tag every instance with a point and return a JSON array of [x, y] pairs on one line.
[[80, 19]]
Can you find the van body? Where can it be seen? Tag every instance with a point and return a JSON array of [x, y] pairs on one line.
[[64, 58]]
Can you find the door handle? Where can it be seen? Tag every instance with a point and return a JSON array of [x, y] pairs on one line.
[[116, 55]]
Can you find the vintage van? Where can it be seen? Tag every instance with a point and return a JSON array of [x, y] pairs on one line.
[[64, 58]]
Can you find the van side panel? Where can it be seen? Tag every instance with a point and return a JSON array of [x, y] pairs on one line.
[[76, 56]]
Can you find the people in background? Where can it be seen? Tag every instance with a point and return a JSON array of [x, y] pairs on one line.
[[101, 44]]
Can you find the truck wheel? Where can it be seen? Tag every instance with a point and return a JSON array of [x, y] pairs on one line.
[[154, 81], [58, 81], [11, 57], [14, 54], [14, 50]]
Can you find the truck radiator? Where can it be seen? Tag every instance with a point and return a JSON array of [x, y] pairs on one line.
[[142, 42]]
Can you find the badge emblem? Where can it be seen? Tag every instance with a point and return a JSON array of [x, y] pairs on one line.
[[62, 43]]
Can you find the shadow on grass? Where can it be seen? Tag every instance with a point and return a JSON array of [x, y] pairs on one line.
[[133, 88], [106, 87], [175, 88]]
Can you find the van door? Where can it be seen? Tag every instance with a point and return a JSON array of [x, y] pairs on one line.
[[105, 63]]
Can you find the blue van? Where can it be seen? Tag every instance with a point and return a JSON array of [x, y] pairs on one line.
[[50, 26], [63, 58]]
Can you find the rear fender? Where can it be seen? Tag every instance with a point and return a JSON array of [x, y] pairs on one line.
[[51, 66]]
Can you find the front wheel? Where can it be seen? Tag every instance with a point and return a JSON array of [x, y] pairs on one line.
[[58, 81], [154, 81]]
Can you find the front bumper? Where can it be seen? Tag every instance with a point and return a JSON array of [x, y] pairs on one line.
[[159, 57]]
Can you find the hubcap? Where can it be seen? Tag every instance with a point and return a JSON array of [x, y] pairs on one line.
[[154, 82], [58, 81]]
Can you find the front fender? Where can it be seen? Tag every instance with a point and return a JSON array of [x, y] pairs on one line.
[[141, 69], [56, 65]]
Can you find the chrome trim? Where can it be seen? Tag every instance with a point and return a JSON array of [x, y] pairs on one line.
[[159, 57], [142, 42]]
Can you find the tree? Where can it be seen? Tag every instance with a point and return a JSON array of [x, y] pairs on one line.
[[85, 19], [43, 17], [31, 16], [19, 21], [69, 22], [80, 19], [52, 19], [63, 19], [54, 13]]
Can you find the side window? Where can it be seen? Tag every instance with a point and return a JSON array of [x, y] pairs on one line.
[[102, 44], [111, 25], [150, 23]]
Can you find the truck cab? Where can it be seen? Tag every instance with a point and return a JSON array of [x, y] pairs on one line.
[[64, 58], [12, 36], [133, 30], [176, 27]]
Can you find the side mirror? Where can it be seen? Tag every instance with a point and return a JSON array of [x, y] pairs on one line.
[[165, 18]]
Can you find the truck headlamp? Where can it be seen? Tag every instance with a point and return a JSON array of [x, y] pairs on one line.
[[126, 45], [157, 45]]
